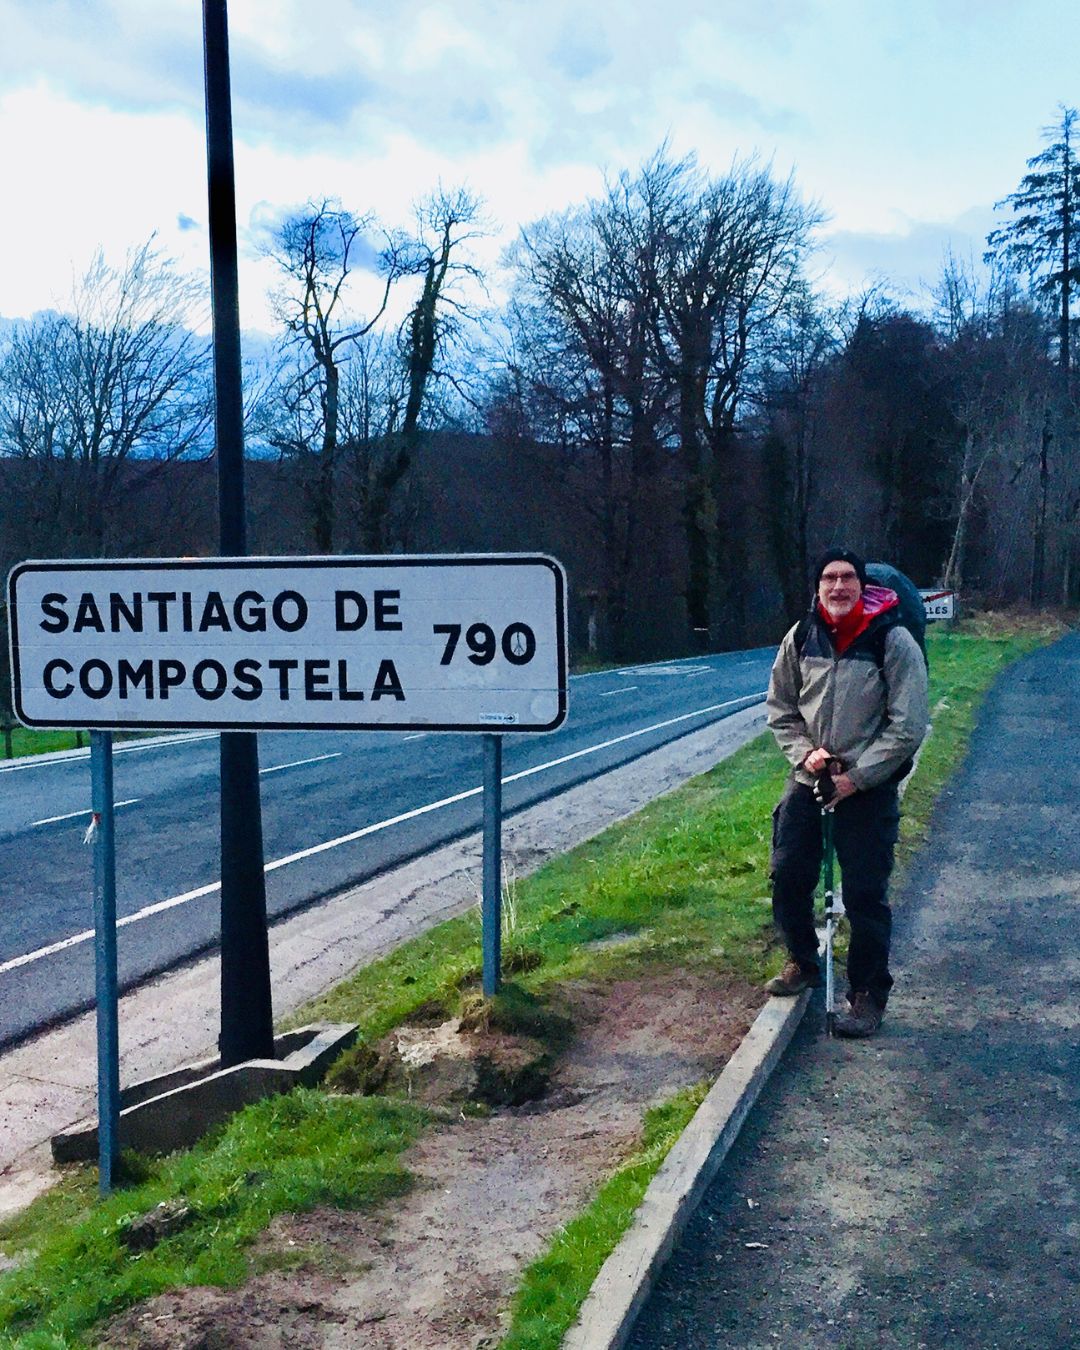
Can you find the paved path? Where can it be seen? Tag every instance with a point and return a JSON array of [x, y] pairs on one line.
[[923, 1189]]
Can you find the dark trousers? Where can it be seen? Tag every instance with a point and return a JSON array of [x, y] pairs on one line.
[[864, 831]]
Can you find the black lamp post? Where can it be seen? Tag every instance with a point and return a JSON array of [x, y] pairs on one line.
[[247, 1027]]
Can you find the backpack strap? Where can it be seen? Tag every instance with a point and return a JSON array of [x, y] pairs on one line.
[[877, 641], [880, 636]]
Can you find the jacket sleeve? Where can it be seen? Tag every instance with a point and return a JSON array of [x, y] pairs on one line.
[[782, 704], [906, 714]]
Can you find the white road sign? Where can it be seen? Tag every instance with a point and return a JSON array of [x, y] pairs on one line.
[[939, 604], [443, 643]]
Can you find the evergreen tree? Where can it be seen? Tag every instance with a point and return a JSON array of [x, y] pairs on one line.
[[1041, 240]]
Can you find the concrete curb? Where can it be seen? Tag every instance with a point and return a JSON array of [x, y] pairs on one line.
[[619, 1291], [176, 1109], [626, 1277]]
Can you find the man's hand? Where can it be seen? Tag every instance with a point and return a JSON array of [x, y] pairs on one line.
[[816, 760], [819, 762], [842, 787]]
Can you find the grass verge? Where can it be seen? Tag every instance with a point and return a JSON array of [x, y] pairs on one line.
[[683, 883], [554, 1287], [286, 1154], [27, 741]]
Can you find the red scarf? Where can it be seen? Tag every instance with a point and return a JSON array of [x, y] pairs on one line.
[[845, 630]]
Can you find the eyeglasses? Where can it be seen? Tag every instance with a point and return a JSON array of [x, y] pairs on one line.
[[832, 577]]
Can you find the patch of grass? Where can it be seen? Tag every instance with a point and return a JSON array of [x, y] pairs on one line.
[[554, 1287], [683, 876], [517, 1012], [589, 663], [28, 741], [24, 741], [284, 1155], [303, 1256]]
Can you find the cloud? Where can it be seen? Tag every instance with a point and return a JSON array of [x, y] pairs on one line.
[[101, 114], [109, 52], [731, 103], [308, 77], [580, 52], [908, 261], [272, 99]]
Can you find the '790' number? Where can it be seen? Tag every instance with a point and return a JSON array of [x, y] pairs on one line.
[[518, 643]]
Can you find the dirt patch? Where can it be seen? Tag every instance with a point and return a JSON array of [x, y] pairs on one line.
[[435, 1269]]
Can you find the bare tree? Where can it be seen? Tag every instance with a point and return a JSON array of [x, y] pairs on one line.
[[582, 340], [95, 403], [1000, 386], [647, 310], [446, 222], [725, 257], [792, 396], [325, 417], [317, 251]]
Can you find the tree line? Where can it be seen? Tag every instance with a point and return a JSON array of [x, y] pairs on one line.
[[665, 396]]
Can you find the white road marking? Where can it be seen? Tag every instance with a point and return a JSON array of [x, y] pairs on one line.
[[162, 905], [69, 756], [613, 693], [673, 670], [630, 735], [165, 744], [315, 759], [416, 736], [71, 815]]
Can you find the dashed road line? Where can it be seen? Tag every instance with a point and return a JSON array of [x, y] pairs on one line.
[[72, 815]]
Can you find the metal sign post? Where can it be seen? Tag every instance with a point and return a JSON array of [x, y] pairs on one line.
[[491, 908], [108, 1034]]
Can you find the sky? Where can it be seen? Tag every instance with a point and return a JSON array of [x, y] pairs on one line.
[[903, 120]]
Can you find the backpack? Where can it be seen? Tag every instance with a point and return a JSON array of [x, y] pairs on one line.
[[911, 612], [912, 609]]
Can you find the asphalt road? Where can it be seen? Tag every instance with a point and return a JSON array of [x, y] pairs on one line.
[[337, 808], [921, 1189]]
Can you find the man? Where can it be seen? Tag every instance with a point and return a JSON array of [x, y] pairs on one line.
[[847, 705]]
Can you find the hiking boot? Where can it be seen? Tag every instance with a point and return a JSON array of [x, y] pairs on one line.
[[862, 1019], [793, 979]]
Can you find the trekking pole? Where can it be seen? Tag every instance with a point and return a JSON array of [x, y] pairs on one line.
[[825, 791], [829, 855]]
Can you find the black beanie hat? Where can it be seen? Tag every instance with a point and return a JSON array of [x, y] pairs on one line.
[[840, 555]]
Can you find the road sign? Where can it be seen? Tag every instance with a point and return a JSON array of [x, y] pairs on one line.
[[939, 604], [439, 643]]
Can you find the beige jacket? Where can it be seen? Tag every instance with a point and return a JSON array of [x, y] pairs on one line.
[[872, 719]]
